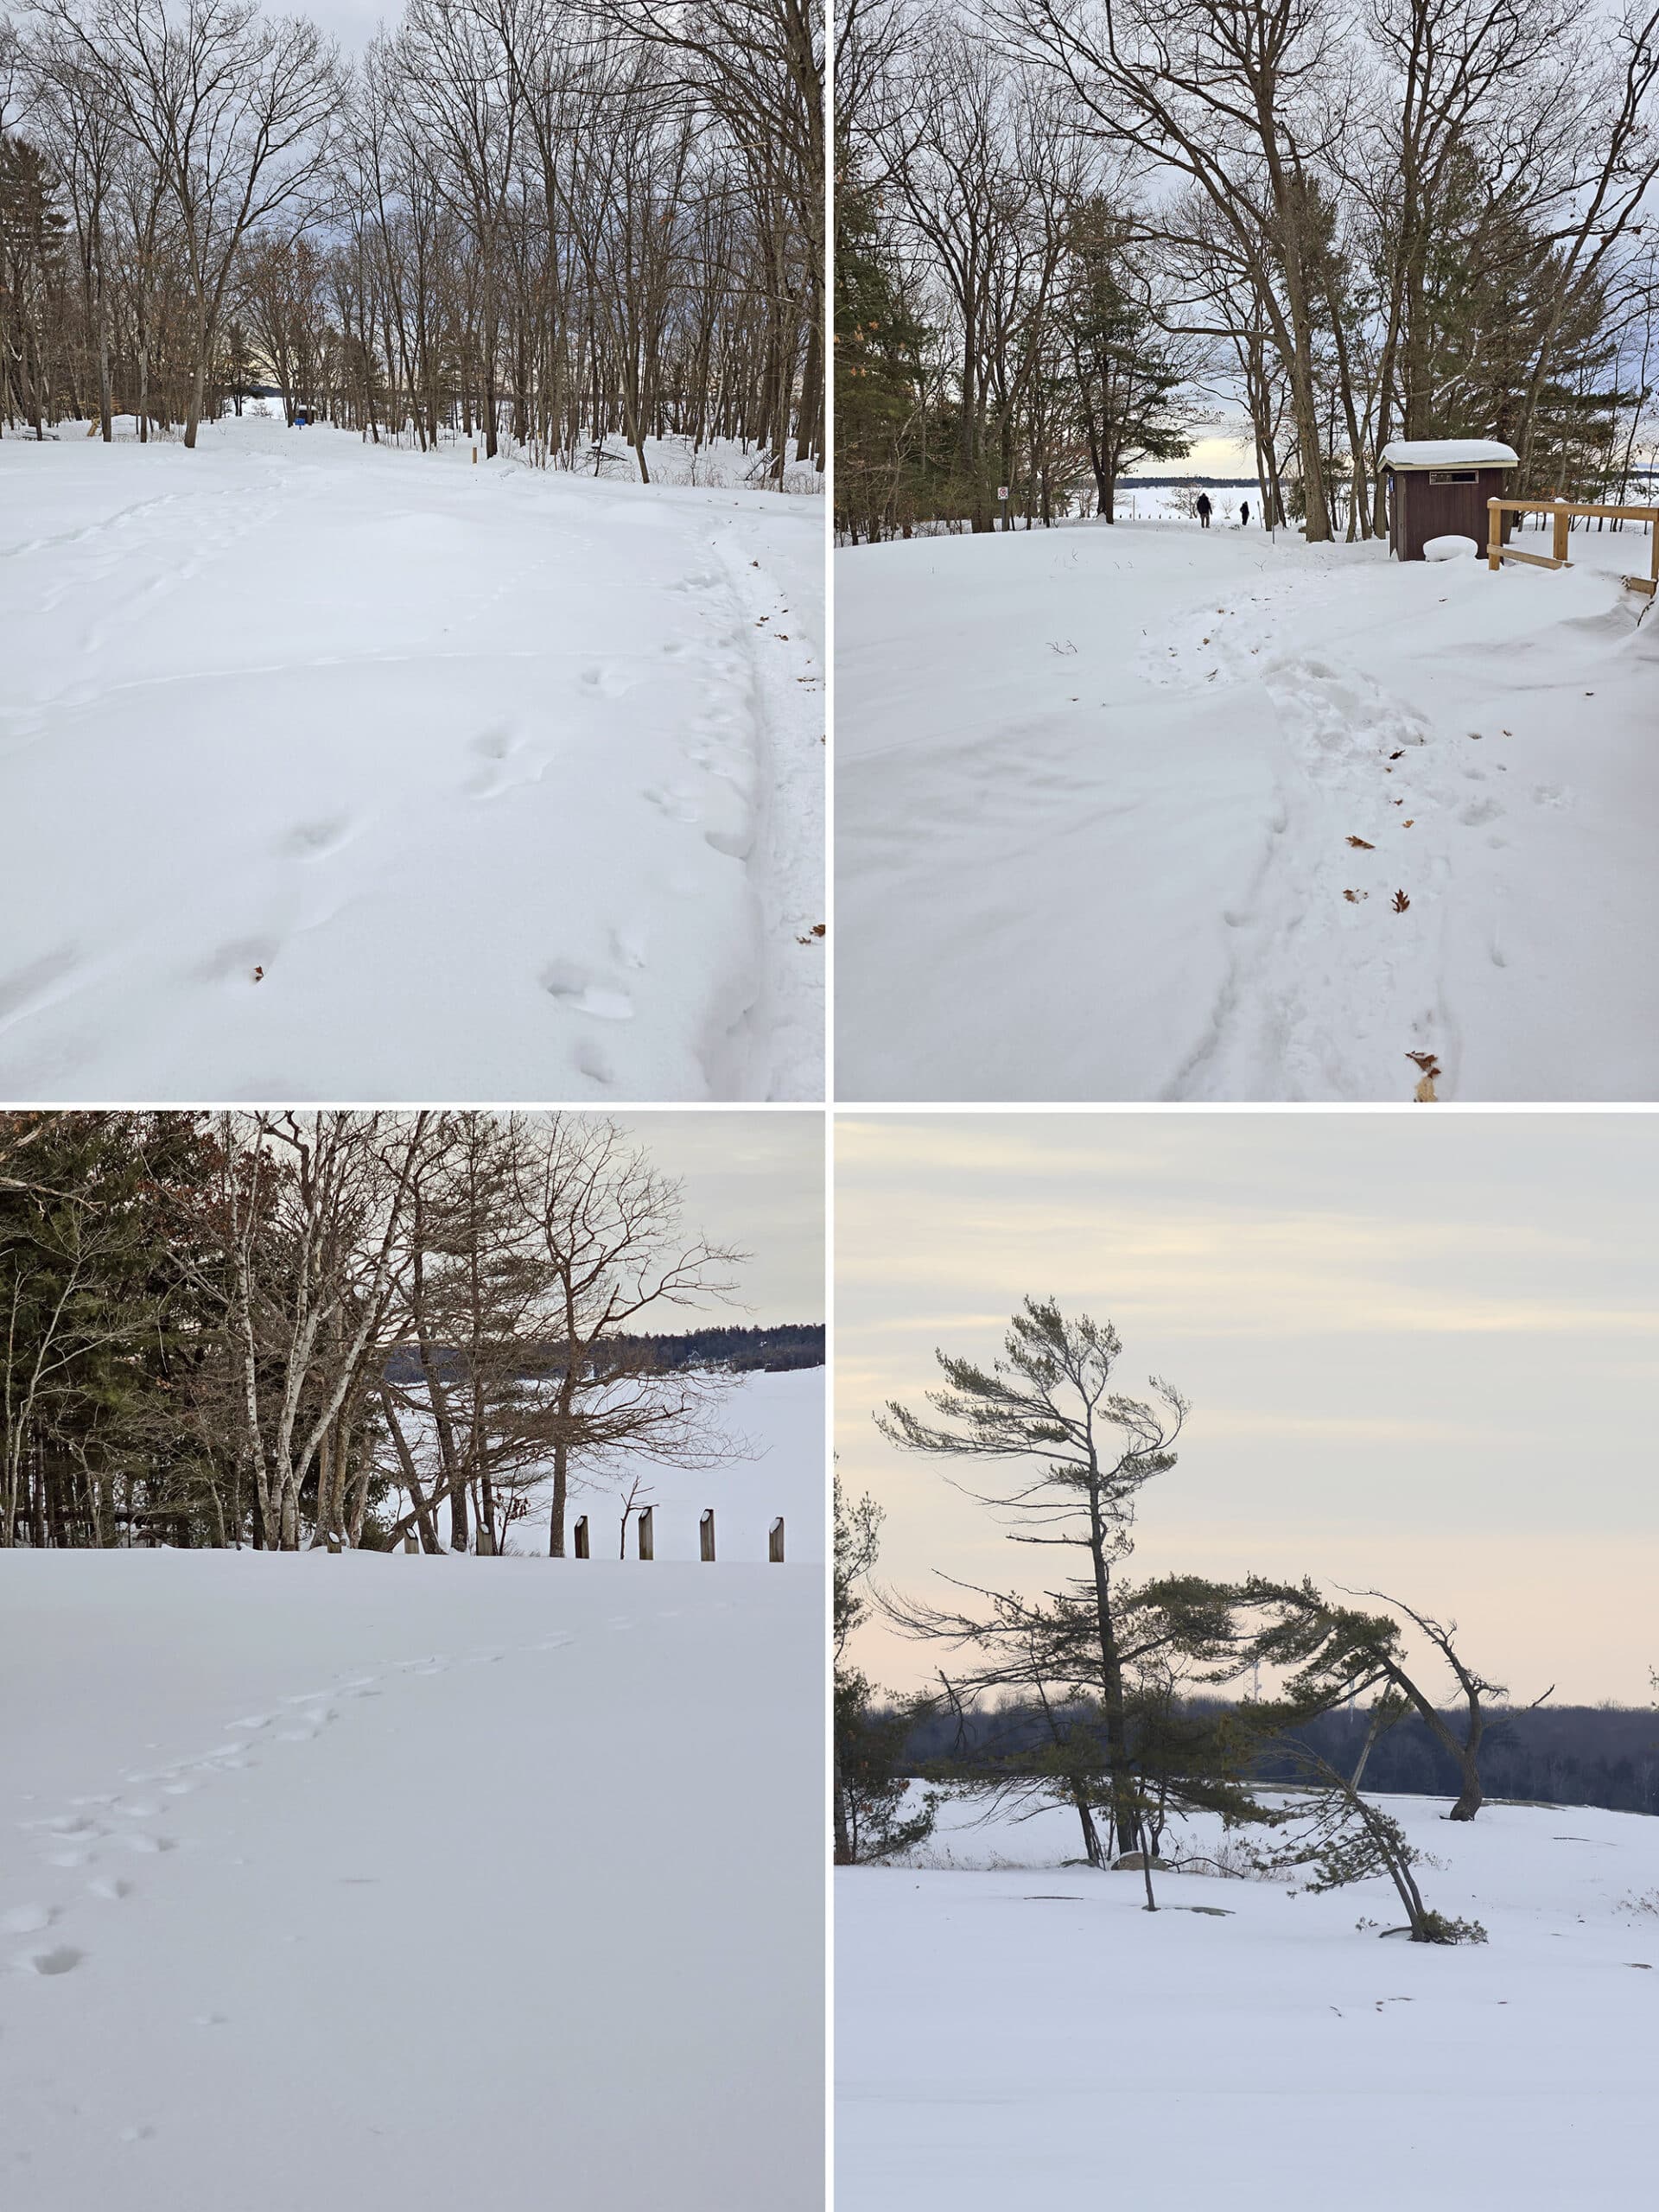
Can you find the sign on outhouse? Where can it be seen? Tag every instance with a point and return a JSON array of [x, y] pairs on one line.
[[1439, 487]]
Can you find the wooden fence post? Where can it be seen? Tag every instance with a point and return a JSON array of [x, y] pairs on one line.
[[647, 1532], [582, 1537], [412, 1541], [486, 1544], [775, 1542], [706, 1534], [1563, 524], [1494, 534]]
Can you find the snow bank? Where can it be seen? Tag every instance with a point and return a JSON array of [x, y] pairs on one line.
[[1031, 2034], [1128, 813], [418, 1882], [1452, 548], [328, 770]]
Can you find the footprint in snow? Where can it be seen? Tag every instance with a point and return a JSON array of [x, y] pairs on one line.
[[62, 1958], [110, 1888], [313, 841], [575, 987], [678, 805], [605, 683], [27, 1920]]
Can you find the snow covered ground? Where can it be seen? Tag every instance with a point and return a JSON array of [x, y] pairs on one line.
[[1122, 812], [332, 771], [1031, 2036], [425, 1883]]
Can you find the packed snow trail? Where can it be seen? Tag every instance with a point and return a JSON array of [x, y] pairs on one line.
[[332, 771], [410, 1881], [1143, 812], [1013, 2035]]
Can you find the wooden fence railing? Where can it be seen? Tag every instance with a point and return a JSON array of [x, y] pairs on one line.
[[1563, 511], [646, 1524]]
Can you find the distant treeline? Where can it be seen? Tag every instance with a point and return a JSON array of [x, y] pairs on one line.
[[752, 1350], [1603, 1755]]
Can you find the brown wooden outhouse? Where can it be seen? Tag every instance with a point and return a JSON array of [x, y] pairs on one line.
[[1439, 487]]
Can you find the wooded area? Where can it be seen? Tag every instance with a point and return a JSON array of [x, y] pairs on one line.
[[1071, 234], [532, 222], [290, 1329]]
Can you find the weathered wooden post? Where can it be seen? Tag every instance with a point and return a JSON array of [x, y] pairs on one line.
[[647, 1532], [581, 1538], [412, 1541], [775, 1542], [706, 1535], [1495, 534], [486, 1544], [334, 1541], [1563, 524]]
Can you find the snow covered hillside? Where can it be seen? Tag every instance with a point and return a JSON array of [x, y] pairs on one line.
[[1031, 2036], [330, 770], [1148, 812], [777, 1422], [425, 1883]]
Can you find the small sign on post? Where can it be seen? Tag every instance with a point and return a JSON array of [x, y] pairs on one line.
[[775, 1542], [582, 1537], [706, 1535], [648, 1533]]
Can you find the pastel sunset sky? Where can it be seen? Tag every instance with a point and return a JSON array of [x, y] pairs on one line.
[[1422, 1347]]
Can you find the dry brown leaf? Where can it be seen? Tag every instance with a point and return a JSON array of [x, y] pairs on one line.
[[1361, 845], [1401, 902]]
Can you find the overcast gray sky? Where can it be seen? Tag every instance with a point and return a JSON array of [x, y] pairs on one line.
[[756, 1180], [1422, 1349]]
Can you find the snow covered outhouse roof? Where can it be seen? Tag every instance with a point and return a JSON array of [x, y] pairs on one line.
[[1449, 453]]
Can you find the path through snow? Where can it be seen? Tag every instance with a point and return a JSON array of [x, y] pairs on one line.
[[329, 770], [1140, 812]]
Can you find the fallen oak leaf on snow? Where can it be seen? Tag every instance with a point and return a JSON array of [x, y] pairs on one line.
[[1361, 845], [1401, 902]]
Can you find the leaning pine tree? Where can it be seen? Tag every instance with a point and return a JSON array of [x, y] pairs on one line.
[[1083, 1451]]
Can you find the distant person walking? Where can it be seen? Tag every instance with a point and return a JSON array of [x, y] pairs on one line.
[[1243, 514], [1204, 511]]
